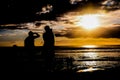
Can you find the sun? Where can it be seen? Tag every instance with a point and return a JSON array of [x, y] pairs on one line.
[[89, 21]]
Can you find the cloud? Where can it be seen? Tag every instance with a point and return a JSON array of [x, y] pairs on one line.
[[76, 1], [111, 4], [64, 25], [101, 32], [109, 32], [13, 35], [12, 26], [73, 32], [106, 18], [46, 9], [111, 18]]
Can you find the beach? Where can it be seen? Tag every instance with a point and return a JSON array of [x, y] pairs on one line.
[[86, 67]]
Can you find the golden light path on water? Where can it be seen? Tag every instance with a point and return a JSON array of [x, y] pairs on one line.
[[89, 46], [91, 55], [91, 64], [90, 69]]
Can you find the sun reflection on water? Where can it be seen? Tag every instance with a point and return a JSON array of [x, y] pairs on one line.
[[89, 46], [90, 69], [91, 55]]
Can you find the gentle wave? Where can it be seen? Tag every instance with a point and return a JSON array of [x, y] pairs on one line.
[[87, 50]]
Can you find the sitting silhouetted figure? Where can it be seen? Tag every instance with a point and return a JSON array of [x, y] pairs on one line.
[[48, 48], [29, 43]]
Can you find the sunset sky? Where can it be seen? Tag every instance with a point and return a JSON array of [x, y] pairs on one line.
[[80, 22]]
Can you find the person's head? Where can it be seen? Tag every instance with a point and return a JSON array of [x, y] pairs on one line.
[[30, 33], [47, 28]]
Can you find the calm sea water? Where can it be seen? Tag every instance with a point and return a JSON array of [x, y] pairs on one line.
[[94, 58]]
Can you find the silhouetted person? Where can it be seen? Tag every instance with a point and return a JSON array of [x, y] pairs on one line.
[[29, 44], [29, 41], [48, 48]]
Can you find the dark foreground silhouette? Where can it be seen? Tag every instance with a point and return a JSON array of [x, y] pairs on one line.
[[29, 44], [16, 61], [48, 53]]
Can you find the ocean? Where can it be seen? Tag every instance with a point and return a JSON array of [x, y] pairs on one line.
[[79, 59], [87, 59]]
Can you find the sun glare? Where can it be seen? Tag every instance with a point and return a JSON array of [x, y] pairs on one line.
[[89, 21], [89, 46]]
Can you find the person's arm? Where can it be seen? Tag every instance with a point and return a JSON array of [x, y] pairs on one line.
[[36, 35]]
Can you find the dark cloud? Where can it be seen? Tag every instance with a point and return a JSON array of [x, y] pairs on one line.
[[75, 32], [102, 32], [16, 11], [13, 11], [12, 26], [111, 4], [113, 32]]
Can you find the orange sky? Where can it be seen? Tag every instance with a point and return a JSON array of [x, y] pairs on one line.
[[70, 42]]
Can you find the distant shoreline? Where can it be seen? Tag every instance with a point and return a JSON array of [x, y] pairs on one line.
[[72, 47]]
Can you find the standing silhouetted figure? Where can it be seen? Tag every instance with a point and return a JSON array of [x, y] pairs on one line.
[[29, 44], [48, 48]]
